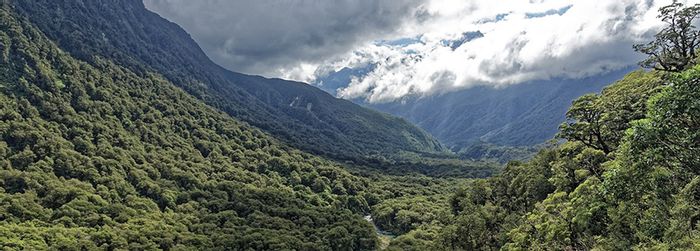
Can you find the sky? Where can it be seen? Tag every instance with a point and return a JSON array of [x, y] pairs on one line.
[[417, 47]]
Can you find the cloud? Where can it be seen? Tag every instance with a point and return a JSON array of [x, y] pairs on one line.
[[285, 37], [518, 41], [418, 47]]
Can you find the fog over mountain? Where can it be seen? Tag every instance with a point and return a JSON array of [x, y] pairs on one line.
[[417, 47]]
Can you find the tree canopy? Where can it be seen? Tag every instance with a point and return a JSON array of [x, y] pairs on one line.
[[675, 47], [95, 156]]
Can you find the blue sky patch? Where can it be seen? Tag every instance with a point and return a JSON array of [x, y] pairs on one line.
[[466, 37], [559, 11], [401, 42], [496, 19]]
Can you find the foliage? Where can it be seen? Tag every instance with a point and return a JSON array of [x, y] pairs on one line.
[[659, 164], [99, 151], [402, 215], [96, 156], [411, 209], [599, 121], [581, 195], [500, 154], [422, 238], [675, 47], [437, 167], [300, 115]]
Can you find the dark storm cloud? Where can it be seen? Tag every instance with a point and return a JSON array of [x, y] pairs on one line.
[[262, 37]]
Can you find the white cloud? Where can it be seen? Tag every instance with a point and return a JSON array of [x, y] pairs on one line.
[[574, 40], [522, 40]]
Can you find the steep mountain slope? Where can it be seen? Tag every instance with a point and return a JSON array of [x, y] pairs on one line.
[[299, 114], [519, 115], [97, 156]]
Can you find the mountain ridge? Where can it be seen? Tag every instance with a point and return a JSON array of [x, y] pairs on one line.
[[96, 156], [521, 115], [142, 41]]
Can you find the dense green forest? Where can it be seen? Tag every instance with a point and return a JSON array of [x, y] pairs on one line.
[[125, 32], [627, 178], [96, 156], [100, 152]]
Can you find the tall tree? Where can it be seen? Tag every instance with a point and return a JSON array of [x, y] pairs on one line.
[[675, 46]]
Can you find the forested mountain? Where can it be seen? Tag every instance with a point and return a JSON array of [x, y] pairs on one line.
[[117, 133], [303, 116], [105, 153], [96, 156], [520, 115], [627, 179]]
